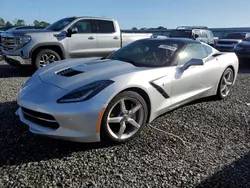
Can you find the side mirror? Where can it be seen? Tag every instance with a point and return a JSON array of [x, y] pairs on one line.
[[72, 31], [192, 62], [196, 36]]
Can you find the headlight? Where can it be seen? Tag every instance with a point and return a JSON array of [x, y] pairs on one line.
[[238, 48], [22, 40], [86, 92]]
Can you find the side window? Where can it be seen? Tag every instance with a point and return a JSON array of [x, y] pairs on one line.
[[208, 50], [205, 34], [191, 51], [198, 33], [103, 26], [83, 26]]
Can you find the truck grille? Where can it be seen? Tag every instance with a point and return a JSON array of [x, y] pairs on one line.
[[226, 42], [9, 43], [39, 118]]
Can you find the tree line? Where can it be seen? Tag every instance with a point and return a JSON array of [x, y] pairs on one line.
[[20, 22]]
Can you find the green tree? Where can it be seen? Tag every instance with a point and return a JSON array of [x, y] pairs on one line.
[[134, 28], [161, 27], [36, 23], [42, 23], [8, 24], [18, 22], [2, 23]]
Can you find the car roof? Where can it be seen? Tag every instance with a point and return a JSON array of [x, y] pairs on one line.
[[178, 40]]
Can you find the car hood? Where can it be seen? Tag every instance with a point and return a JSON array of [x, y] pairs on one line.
[[245, 44], [72, 74], [27, 32]]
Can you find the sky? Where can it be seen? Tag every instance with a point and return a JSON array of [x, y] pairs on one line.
[[134, 13]]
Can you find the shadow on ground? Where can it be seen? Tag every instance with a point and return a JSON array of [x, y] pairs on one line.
[[236, 174], [7, 71], [18, 145]]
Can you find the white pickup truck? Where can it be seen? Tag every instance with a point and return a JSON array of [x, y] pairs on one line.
[[72, 37]]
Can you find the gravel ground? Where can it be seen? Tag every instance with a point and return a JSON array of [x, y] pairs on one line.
[[215, 152]]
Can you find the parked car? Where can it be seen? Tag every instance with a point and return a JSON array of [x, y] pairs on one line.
[[10, 29], [227, 43], [111, 99], [242, 49], [2, 29], [200, 33], [71, 37]]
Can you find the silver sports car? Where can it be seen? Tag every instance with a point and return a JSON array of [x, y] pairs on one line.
[[113, 98]]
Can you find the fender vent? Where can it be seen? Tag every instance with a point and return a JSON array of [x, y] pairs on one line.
[[68, 72]]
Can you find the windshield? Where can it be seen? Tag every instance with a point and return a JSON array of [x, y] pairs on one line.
[[60, 25], [235, 36], [181, 33], [147, 53]]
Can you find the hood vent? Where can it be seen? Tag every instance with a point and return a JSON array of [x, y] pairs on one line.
[[69, 72]]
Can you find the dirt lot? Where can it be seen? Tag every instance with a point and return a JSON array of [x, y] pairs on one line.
[[217, 135]]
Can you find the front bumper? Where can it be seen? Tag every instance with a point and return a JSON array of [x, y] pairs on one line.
[[76, 121], [16, 60]]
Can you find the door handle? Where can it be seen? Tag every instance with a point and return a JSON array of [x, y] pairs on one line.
[[115, 38], [91, 38]]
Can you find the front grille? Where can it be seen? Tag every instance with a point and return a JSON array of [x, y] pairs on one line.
[[69, 72], [226, 42], [39, 118], [9, 43]]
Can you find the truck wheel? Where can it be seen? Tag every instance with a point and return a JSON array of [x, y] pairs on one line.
[[45, 57]]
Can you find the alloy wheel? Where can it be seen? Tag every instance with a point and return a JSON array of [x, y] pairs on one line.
[[226, 82], [47, 59], [125, 118]]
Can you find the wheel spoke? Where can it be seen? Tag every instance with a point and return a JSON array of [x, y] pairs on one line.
[[135, 109], [229, 83], [45, 57], [123, 106], [121, 130], [229, 75], [134, 123], [115, 120], [224, 87]]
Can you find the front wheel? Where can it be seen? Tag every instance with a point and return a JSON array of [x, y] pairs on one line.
[[45, 57], [124, 117], [225, 84]]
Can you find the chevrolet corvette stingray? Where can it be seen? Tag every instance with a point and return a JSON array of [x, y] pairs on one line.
[[113, 98]]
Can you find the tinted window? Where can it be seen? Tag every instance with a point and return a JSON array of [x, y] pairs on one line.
[[235, 36], [148, 53], [191, 51], [83, 26], [208, 50], [181, 33], [103, 26], [61, 24]]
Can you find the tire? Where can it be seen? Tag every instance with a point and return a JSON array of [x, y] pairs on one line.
[[110, 130], [41, 55], [220, 94]]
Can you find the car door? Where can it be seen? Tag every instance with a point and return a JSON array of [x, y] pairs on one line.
[[108, 39], [195, 80], [84, 42]]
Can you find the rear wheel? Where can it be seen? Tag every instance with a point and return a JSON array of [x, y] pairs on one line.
[[225, 84], [45, 57], [124, 117]]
